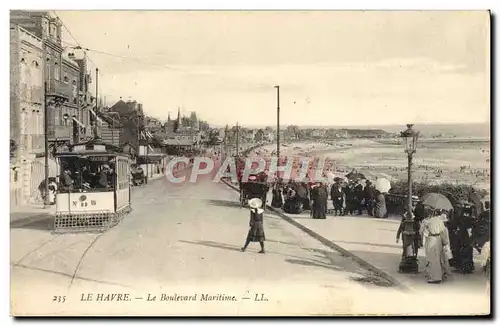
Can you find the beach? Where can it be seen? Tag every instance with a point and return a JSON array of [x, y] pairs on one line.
[[464, 161]]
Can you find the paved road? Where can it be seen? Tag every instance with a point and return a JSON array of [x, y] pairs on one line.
[[184, 240]]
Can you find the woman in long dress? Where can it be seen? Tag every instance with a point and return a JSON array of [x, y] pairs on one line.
[[256, 232], [319, 198], [277, 201], [435, 236], [380, 210]]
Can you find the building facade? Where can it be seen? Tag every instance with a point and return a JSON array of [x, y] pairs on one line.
[[26, 114], [26, 91], [43, 77]]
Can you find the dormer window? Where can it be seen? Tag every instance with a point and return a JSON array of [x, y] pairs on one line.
[[66, 79]]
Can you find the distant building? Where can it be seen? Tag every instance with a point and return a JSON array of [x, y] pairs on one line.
[[111, 128], [132, 119]]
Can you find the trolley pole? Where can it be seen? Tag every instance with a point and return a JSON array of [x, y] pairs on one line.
[[278, 123]]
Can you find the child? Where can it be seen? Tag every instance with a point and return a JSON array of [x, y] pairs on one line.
[[256, 232]]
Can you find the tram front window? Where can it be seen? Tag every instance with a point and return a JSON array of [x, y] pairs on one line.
[[86, 174]]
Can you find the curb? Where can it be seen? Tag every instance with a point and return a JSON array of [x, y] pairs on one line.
[[330, 244]]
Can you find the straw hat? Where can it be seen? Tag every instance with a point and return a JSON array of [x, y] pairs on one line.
[[255, 203]]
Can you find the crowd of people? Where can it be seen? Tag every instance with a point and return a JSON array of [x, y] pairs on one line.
[[348, 196], [448, 238]]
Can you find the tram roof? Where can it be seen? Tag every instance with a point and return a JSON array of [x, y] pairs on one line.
[[93, 148]]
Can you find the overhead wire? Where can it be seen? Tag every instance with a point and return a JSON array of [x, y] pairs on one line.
[[71, 35]]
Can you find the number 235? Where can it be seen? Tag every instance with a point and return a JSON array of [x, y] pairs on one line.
[[59, 299]]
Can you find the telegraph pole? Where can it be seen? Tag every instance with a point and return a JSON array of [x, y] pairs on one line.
[[237, 139], [278, 123], [46, 139], [46, 202]]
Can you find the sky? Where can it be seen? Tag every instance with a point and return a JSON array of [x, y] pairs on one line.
[[334, 68]]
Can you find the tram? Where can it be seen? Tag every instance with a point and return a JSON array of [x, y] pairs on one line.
[[94, 187]]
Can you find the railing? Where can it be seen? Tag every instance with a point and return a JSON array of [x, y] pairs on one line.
[[56, 87], [63, 132]]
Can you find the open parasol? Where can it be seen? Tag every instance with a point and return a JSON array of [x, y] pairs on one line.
[[437, 201], [383, 185]]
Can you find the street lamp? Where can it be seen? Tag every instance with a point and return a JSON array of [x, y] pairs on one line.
[[409, 263]]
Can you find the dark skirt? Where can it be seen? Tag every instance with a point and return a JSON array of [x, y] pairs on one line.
[[319, 208], [277, 201], [256, 232], [306, 204]]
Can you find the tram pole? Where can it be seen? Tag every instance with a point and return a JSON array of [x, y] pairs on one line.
[[46, 202], [46, 140], [278, 123]]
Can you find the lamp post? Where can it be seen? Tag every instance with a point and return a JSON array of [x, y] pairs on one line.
[[409, 263], [278, 122]]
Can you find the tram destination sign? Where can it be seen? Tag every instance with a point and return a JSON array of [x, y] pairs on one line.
[[98, 158]]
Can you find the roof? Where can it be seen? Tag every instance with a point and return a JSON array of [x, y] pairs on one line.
[[178, 142]]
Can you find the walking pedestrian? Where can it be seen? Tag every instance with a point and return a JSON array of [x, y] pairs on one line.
[[436, 244], [380, 210], [256, 232]]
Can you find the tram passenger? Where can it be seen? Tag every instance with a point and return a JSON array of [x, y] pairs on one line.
[[66, 180], [103, 177]]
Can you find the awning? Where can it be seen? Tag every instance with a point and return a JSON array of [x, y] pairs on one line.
[[149, 134], [95, 115], [78, 122]]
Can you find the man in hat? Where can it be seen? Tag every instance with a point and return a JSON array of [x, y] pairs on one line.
[[369, 195], [337, 196], [256, 232]]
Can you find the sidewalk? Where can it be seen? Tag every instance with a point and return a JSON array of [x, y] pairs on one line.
[[24, 215], [373, 241]]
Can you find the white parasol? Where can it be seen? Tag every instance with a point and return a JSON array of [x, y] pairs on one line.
[[383, 185]]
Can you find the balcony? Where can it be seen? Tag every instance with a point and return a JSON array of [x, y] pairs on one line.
[[63, 132], [59, 89]]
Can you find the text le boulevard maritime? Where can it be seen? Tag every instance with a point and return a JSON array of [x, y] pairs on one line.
[[117, 297]]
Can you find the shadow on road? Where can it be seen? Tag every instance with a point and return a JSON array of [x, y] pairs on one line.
[[44, 222], [284, 242], [370, 244], [312, 263], [213, 244], [223, 203]]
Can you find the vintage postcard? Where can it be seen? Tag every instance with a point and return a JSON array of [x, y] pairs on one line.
[[249, 163]]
